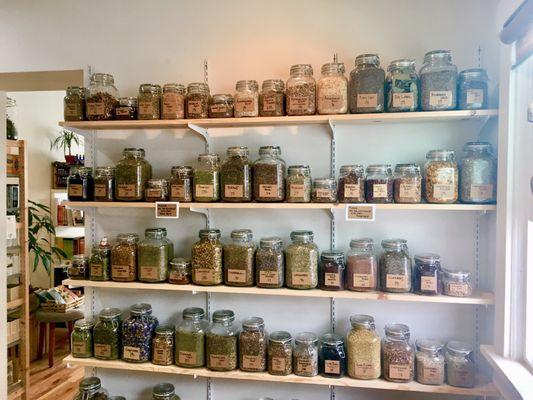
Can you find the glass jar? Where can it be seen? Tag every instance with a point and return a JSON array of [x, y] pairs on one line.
[[221, 342], [126, 108], [298, 184], [460, 364], [82, 339], [164, 391], [364, 348], [407, 183], [438, 82], [332, 356], [100, 262], [442, 177], [398, 354], [478, 174], [331, 270], [149, 101], [301, 90], [190, 338], [367, 85], [91, 389], [429, 362], [131, 175], [11, 119], [379, 184], [74, 103], [207, 258], [197, 104], [79, 267], [179, 271], [154, 254], [156, 190], [253, 345], [332, 90], [124, 258], [352, 184], [269, 175], [107, 335], [246, 99], [301, 270], [456, 283], [181, 183], [269, 263], [236, 175], [80, 184], [280, 353], [137, 333], [221, 106], [305, 354], [472, 87], [104, 183], [239, 259], [362, 266], [272, 98], [101, 98], [324, 190], [395, 266], [163, 346], [173, 101], [427, 274], [402, 86], [207, 178]]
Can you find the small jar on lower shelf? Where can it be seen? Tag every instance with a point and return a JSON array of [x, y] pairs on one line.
[[253, 345], [79, 267], [163, 346], [82, 339], [164, 391], [179, 271], [460, 365], [91, 388], [156, 190], [280, 353], [305, 354], [331, 270], [398, 354], [221, 106], [456, 283], [429, 362], [332, 356]]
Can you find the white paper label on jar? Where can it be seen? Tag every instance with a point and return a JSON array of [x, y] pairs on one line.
[[102, 350], [304, 365], [331, 279], [187, 357], [233, 191], [268, 191], [172, 106], [409, 192], [204, 275], [433, 373], [268, 277], [219, 108], [75, 190], [428, 283], [218, 361], [329, 102], [399, 371], [269, 103], [458, 289], [252, 362], [481, 192], [236, 275], [396, 281], [126, 190], [177, 190], [364, 370], [97, 270], [204, 190], [323, 193], [131, 353], [332, 367], [278, 364], [362, 280], [100, 190], [120, 271], [301, 278], [296, 190], [440, 98], [403, 100], [145, 108], [352, 190], [380, 190], [244, 105], [367, 100], [194, 106], [96, 108], [162, 355], [443, 191], [298, 103], [148, 272], [474, 96]]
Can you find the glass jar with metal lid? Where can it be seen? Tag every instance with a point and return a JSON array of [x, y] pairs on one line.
[[74, 103], [156, 190], [272, 98], [239, 259], [472, 87], [181, 183], [164, 391], [126, 108], [91, 389], [438, 82], [298, 184], [11, 119], [407, 183], [269, 175], [100, 261], [332, 356], [305, 354], [456, 283], [79, 267], [280, 353], [163, 345], [124, 258], [236, 175], [197, 104], [442, 177], [221, 106], [429, 362], [132, 173], [351, 184], [137, 333], [398, 354], [331, 270], [207, 178], [301, 90], [301, 271], [246, 99], [80, 184], [149, 101], [253, 345], [101, 98], [362, 266], [104, 183], [107, 334], [395, 266], [173, 101], [402, 86], [460, 364], [155, 252], [427, 274], [179, 271], [221, 342], [363, 345], [324, 190], [190, 338], [379, 184], [367, 85], [206, 258], [269, 263], [82, 339], [478, 174], [332, 90]]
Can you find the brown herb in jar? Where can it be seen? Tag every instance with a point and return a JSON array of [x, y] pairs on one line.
[[280, 353], [100, 106], [268, 180], [351, 188], [253, 346], [269, 263]]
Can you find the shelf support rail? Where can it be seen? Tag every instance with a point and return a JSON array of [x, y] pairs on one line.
[[333, 169], [204, 132], [206, 213]]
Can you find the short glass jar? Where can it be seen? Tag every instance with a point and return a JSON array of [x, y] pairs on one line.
[[156, 190], [478, 174], [80, 184], [107, 335], [460, 364], [221, 106], [379, 184], [427, 274], [269, 175], [74, 103], [438, 82], [91, 389], [154, 253], [324, 190], [367, 85], [472, 88], [269, 263], [137, 333], [272, 98], [395, 269], [398, 354], [197, 104], [456, 283], [305, 354], [206, 178], [332, 90], [173, 101], [280, 353], [179, 271], [190, 338], [82, 339], [100, 261], [332, 356], [239, 259], [301, 90], [363, 346], [181, 183], [164, 391], [362, 266], [104, 183], [352, 184], [124, 258], [429, 362], [101, 98], [402, 86], [132, 173], [442, 177], [407, 183], [246, 99], [236, 175], [79, 267], [206, 259], [301, 269], [163, 345], [331, 270], [126, 108], [298, 184], [253, 343], [221, 339]]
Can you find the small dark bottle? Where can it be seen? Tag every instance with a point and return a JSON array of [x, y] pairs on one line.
[[80, 184], [331, 270], [332, 356]]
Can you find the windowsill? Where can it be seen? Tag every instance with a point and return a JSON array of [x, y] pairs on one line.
[[513, 372]]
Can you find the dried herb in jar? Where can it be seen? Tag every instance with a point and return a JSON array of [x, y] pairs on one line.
[[472, 89], [272, 98], [395, 266], [181, 183], [82, 339], [478, 174], [438, 82], [367, 85], [398, 354], [74, 103], [179, 271], [137, 334], [197, 104], [269, 263], [379, 184], [101, 99], [301, 91], [269, 175], [364, 348], [154, 254], [460, 365], [173, 101], [429, 362], [163, 346], [100, 262], [442, 177], [305, 354], [456, 283], [351, 184], [206, 258], [156, 190], [207, 178], [298, 184], [149, 101], [239, 259], [124, 258], [104, 183], [221, 106], [253, 345], [107, 335], [324, 190], [332, 90], [131, 175], [190, 339], [221, 342], [236, 176], [280, 353], [407, 183], [301, 271], [246, 99], [402, 86], [331, 270]]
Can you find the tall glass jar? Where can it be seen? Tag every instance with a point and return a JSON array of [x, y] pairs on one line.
[[221, 106], [438, 82], [379, 184], [301, 271], [107, 335], [82, 339], [126, 108], [163, 345], [253, 343], [324, 190], [301, 90], [472, 87], [269, 263], [239, 259], [80, 184], [206, 259], [91, 389], [164, 391], [155, 252], [221, 342], [402, 86], [100, 261], [305, 354], [362, 266], [280, 353], [124, 258], [246, 99], [332, 356], [236, 175], [181, 183], [197, 104], [190, 338], [395, 266], [367, 85], [460, 364], [173, 101], [427, 274], [298, 184], [79, 267], [156, 190], [398, 354], [331, 270], [352, 184], [206, 178], [137, 333], [74, 103], [407, 183], [11, 119], [442, 177], [104, 183], [332, 90], [269, 175], [364, 348], [131, 175], [149, 101], [429, 362], [478, 174], [272, 98], [101, 97]]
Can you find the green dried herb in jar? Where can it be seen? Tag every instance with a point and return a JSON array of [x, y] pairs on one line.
[[272, 98], [190, 339], [236, 176], [74, 103], [305, 354], [131, 175], [478, 174], [253, 345], [100, 262], [82, 339], [173, 101], [207, 178], [91, 389], [269, 175], [181, 183], [221, 342], [298, 184], [269, 263], [239, 259], [124, 258], [280, 353], [104, 183], [206, 258], [197, 104], [155, 252], [301, 271], [149, 101], [107, 335], [221, 106]]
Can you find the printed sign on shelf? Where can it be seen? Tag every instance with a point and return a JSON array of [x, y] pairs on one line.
[[167, 209], [360, 212]]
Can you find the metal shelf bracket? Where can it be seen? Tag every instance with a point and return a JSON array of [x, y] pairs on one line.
[[206, 213], [204, 132]]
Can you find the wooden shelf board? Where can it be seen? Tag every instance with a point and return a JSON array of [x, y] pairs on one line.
[[485, 298], [12, 180], [15, 304], [484, 389], [15, 390], [14, 343]]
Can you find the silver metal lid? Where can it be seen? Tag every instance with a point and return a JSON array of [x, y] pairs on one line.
[[478, 146], [302, 235], [242, 234], [332, 339], [299, 169], [427, 258], [271, 150], [223, 316], [270, 242], [280, 337], [459, 348], [383, 168], [367, 59], [213, 157], [350, 169], [333, 68], [141, 309], [429, 345], [407, 168], [253, 324], [401, 63], [237, 151], [109, 313], [397, 331], [332, 255], [302, 69], [306, 338], [440, 154], [362, 243], [90, 384], [165, 330], [362, 321], [209, 234], [163, 390], [194, 313], [393, 243], [474, 74]]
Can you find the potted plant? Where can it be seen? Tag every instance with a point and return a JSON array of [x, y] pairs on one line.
[[64, 141]]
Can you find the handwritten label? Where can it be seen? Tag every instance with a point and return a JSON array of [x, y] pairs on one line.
[[177, 190], [120, 271], [301, 278], [332, 367], [363, 280], [97, 270], [122, 111], [331, 279], [360, 212], [269, 103], [131, 353], [365, 370], [403, 100], [399, 371], [304, 365], [79, 347], [330, 101], [100, 190], [97, 108], [351, 190], [244, 105], [443, 191], [204, 275], [219, 108], [368, 100], [268, 277], [440, 98], [481, 192], [154, 193], [204, 190], [102, 350], [380, 190], [296, 190], [187, 357], [298, 104], [396, 281], [194, 106], [474, 96], [233, 191], [409, 192], [145, 108], [252, 362], [236, 275], [126, 190], [172, 106], [323, 193], [218, 361], [75, 190], [148, 272], [278, 364], [432, 373], [458, 289], [162, 355], [72, 110], [167, 209], [268, 191], [428, 283]]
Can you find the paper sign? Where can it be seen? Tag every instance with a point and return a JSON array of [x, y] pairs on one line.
[[360, 212], [167, 209]]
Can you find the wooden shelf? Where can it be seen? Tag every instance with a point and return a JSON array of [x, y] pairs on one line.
[[15, 391], [484, 389], [485, 298], [15, 303], [12, 180]]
